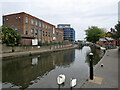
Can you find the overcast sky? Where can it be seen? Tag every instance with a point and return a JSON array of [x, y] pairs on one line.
[[79, 13]]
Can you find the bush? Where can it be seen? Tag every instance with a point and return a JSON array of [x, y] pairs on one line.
[[59, 42], [13, 50], [43, 44], [46, 43], [51, 43], [40, 43], [10, 36]]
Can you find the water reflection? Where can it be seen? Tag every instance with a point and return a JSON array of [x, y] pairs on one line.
[[34, 61], [97, 55], [24, 71], [41, 71]]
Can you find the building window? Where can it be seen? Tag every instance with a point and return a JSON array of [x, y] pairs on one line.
[[49, 34], [36, 23], [31, 31], [43, 25], [26, 31], [43, 33], [46, 26], [16, 29], [53, 30], [36, 32], [32, 21], [46, 33], [26, 19], [40, 24], [6, 18], [49, 27], [16, 17]]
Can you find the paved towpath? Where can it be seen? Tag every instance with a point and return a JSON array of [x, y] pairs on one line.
[[106, 76]]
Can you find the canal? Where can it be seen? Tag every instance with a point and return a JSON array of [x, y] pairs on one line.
[[41, 71]]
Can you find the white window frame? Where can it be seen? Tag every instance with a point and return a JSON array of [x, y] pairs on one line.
[[32, 21], [36, 22], [40, 24], [26, 19], [53, 30], [27, 31], [46, 33], [32, 31], [36, 31], [43, 25]]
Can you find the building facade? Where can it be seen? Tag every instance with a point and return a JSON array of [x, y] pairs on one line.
[[59, 35], [69, 33], [30, 27]]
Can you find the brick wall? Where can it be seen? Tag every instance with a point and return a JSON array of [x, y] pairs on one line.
[[26, 41]]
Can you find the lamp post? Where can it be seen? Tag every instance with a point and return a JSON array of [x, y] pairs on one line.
[[91, 65]]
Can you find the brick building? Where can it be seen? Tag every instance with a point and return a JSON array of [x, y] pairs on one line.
[[59, 35], [30, 27]]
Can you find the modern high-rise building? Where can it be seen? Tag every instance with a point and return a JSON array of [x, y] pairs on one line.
[[69, 33], [30, 27]]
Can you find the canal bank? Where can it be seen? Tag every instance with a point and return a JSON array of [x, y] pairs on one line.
[[36, 52], [106, 76]]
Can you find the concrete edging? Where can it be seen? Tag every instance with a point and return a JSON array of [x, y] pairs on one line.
[[31, 53]]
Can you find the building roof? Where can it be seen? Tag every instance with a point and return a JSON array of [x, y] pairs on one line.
[[102, 39], [109, 38], [106, 39], [29, 15]]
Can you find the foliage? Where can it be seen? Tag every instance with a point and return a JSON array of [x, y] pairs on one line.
[[94, 34], [10, 36], [51, 43], [54, 43], [13, 50], [59, 42], [40, 43], [116, 34], [46, 43], [79, 40]]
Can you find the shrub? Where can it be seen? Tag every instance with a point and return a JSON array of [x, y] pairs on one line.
[[59, 43], [46, 43], [10, 36], [51, 43], [40, 43]]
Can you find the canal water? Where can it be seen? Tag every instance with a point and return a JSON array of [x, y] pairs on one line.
[[41, 71]]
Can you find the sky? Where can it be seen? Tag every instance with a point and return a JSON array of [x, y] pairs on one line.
[[81, 14]]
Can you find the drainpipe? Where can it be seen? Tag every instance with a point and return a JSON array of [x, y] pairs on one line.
[[41, 33], [38, 30], [34, 27]]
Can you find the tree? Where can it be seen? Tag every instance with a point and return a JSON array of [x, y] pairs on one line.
[[94, 34], [10, 36], [116, 33]]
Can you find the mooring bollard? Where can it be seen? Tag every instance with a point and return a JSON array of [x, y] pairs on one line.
[[91, 65]]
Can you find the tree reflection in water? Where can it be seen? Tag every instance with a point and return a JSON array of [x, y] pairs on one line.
[[97, 55], [36, 70], [23, 72]]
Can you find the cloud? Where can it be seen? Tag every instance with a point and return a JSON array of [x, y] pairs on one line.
[[79, 13]]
